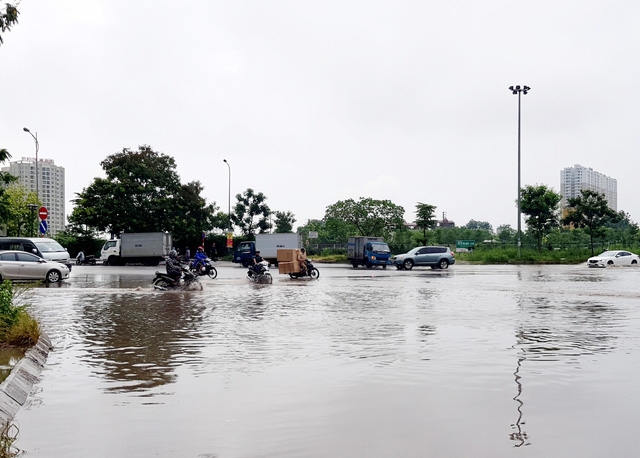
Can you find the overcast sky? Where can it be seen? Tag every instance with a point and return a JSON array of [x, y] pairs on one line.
[[316, 102]]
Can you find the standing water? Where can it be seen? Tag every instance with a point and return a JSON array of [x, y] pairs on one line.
[[479, 361]]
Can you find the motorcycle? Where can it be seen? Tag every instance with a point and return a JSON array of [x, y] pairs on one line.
[[204, 267], [88, 260], [309, 272], [189, 281], [260, 275]]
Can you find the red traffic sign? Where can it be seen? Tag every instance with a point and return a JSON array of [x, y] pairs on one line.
[[43, 213]]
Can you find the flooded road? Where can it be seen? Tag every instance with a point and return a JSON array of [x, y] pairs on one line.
[[476, 361]]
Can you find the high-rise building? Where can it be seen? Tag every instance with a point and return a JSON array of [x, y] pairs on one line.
[[50, 187], [575, 179]]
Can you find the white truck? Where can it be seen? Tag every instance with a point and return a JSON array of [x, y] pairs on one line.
[[148, 248], [267, 245]]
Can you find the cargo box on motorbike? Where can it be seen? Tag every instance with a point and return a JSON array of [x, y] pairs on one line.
[[290, 267], [287, 254]]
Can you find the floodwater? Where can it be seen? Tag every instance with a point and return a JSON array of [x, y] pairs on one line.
[[474, 361]]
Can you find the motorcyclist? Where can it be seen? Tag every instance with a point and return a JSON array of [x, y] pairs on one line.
[[302, 259], [199, 258], [80, 257], [174, 270], [257, 259]]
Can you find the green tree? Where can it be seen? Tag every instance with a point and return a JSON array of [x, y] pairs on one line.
[[8, 18], [540, 205], [623, 229], [375, 218], [505, 233], [483, 225], [251, 206], [589, 211], [284, 221], [21, 220], [5, 180], [142, 193], [425, 218], [191, 215], [332, 231]]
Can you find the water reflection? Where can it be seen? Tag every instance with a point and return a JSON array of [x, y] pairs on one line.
[[553, 330], [136, 341], [519, 435]]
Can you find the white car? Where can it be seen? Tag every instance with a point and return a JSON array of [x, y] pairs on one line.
[[614, 258], [20, 265]]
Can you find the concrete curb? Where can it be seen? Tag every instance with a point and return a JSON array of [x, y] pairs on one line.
[[17, 386]]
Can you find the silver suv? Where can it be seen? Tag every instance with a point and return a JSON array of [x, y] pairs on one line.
[[437, 257]]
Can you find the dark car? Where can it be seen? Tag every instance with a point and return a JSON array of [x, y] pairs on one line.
[[436, 257]]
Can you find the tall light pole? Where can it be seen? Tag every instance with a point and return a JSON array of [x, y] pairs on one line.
[[35, 137], [229, 215], [519, 90], [225, 161]]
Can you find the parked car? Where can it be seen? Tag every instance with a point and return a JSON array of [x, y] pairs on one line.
[[437, 257], [614, 258], [20, 265]]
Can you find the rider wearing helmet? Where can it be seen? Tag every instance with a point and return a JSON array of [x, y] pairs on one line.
[[199, 258], [173, 266], [257, 259]]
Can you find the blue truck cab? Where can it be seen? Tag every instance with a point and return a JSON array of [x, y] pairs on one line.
[[368, 252], [244, 253]]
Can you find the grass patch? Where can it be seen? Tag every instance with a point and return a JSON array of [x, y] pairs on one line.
[[8, 436], [17, 327]]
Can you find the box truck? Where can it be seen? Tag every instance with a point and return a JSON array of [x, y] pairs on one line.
[[148, 248], [267, 245], [368, 251]]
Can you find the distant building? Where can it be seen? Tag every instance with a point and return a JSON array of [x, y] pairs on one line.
[[444, 222], [577, 178], [50, 184]]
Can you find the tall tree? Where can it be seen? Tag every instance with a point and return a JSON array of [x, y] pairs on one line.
[[331, 231], [21, 220], [5, 180], [505, 233], [375, 218], [623, 228], [589, 211], [475, 225], [8, 18], [284, 221], [425, 218], [540, 205], [251, 213], [141, 193]]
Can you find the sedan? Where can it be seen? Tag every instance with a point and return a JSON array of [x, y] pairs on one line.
[[437, 257], [19, 265], [614, 258]]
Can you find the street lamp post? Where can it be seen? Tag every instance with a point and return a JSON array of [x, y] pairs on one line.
[[32, 211], [229, 214], [519, 90], [35, 137]]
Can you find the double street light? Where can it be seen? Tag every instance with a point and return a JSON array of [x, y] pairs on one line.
[[519, 90], [35, 137]]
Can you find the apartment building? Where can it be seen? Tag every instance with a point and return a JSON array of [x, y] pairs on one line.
[[50, 187], [575, 179]]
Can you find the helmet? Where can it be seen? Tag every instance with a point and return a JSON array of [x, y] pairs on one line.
[[200, 248], [303, 250], [173, 254]]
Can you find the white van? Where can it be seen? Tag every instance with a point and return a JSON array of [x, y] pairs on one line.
[[46, 248]]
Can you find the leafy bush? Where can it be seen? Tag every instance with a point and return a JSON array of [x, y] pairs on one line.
[[17, 327]]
